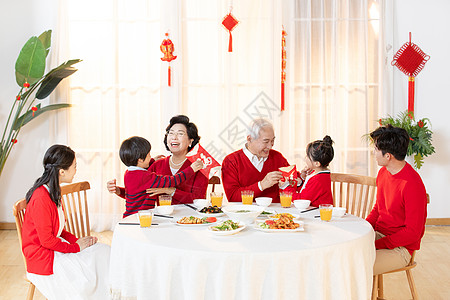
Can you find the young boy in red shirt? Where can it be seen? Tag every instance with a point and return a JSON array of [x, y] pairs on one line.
[[135, 154], [400, 211]]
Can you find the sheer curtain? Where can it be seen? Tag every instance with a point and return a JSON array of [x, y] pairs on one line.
[[120, 90]]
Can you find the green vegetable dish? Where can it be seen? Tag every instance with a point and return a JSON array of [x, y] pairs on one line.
[[228, 225]]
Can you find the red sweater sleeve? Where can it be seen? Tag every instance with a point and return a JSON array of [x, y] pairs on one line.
[[230, 178]]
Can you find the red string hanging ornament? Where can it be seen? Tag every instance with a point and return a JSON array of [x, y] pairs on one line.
[[410, 59], [167, 49], [283, 66], [34, 108], [230, 22]]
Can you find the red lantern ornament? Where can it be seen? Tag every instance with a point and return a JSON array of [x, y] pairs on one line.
[[34, 108], [283, 66], [420, 123], [410, 59], [26, 85], [167, 49], [230, 22], [14, 141], [18, 97]]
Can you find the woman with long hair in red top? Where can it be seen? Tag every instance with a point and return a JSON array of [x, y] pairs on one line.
[[60, 265]]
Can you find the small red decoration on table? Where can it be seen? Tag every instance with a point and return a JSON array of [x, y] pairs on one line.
[[283, 66], [167, 48], [410, 59], [229, 22]]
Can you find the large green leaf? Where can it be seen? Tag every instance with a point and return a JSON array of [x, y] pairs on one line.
[[28, 116], [54, 77], [30, 65], [46, 39]]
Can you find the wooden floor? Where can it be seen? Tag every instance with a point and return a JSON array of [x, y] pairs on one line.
[[432, 275]]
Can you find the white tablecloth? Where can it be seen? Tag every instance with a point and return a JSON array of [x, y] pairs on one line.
[[329, 260]]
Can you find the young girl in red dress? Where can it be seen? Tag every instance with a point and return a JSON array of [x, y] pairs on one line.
[[316, 185]]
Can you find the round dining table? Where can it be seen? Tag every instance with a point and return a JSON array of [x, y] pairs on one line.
[[328, 260]]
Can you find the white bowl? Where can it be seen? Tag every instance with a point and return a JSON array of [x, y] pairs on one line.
[[263, 201], [200, 203], [302, 204], [245, 217], [338, 211], [165, 209]]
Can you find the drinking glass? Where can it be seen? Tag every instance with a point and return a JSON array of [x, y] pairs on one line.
[[165, 200], [285, 199], [145, 218], [247, 197], [326, 211], [216, 199]]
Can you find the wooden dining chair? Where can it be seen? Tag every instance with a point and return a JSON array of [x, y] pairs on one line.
[[19, 213], [214, 180], [74, 202], [356, 193], [378, 292]]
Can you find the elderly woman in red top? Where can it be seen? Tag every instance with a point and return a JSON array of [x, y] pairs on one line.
[[181, 136], [58, 264]]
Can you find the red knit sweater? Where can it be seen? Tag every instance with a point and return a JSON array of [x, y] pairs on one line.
[[193, 188], [317, 189], [239, 174], [138, 181], [400, 211], [39, 229]]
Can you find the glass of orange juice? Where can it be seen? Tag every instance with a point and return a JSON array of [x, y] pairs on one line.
[[247, 197], [216, 199], [165, 200], [145, 218], [285, 199], [326, 211]]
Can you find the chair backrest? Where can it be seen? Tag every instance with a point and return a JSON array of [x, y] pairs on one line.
[[357, 193], [19, 213], [214, 180], [74, 202]]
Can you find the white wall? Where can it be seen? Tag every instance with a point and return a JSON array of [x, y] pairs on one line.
[[427, 20], [430, 27], [19, 21]]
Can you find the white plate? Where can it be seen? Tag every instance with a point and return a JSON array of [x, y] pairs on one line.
[[210, 215], [298, 229], [295, 216], [227, 232], [192, 225]]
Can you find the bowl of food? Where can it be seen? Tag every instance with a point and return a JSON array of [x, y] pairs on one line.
[[200, 203], [243, 213], [302, 204], [338, 212], [263, 201], [165, 209]]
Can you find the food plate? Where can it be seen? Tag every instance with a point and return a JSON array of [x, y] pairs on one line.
[[225, 232], [274, 216], [298, 229], [193, 225], [271, 212], [210, 214]]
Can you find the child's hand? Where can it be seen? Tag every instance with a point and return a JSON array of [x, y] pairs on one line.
[[197, 165], [86, 241], [157, 191], [158, 157], [112, 187]]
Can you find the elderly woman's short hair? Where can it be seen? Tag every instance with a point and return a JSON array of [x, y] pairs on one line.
[[255, 127]]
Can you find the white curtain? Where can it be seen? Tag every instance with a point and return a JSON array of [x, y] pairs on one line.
[[120, 90]]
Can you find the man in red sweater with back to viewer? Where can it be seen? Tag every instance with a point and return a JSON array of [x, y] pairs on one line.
[[400, 211], [255, 167]]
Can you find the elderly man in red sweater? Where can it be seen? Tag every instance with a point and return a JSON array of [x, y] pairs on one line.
[[255, 167], [400, 211]]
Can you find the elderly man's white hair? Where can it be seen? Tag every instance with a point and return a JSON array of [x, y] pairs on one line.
[[255, 127]]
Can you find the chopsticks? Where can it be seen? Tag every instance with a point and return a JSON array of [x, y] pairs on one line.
[[190, 206], [133, 224], [163, 216], [309, 210]]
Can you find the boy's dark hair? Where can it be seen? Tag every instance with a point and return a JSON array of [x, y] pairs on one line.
[[321, 151], [191, 130], [132, 149], [390, 139]]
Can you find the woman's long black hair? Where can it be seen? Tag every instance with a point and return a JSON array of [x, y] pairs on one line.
[[56, 158]]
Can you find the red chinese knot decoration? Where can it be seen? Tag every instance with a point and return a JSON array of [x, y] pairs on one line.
[[283, 66], [230, 22], [167, 49], [410, 59]]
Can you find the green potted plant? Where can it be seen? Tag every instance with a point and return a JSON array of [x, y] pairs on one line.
[[419, 132], [34, 86]]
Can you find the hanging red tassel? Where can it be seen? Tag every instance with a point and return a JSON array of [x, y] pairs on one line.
[[167, 48], [411, 96], [230, 22], [34, 108], [283, 67]]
